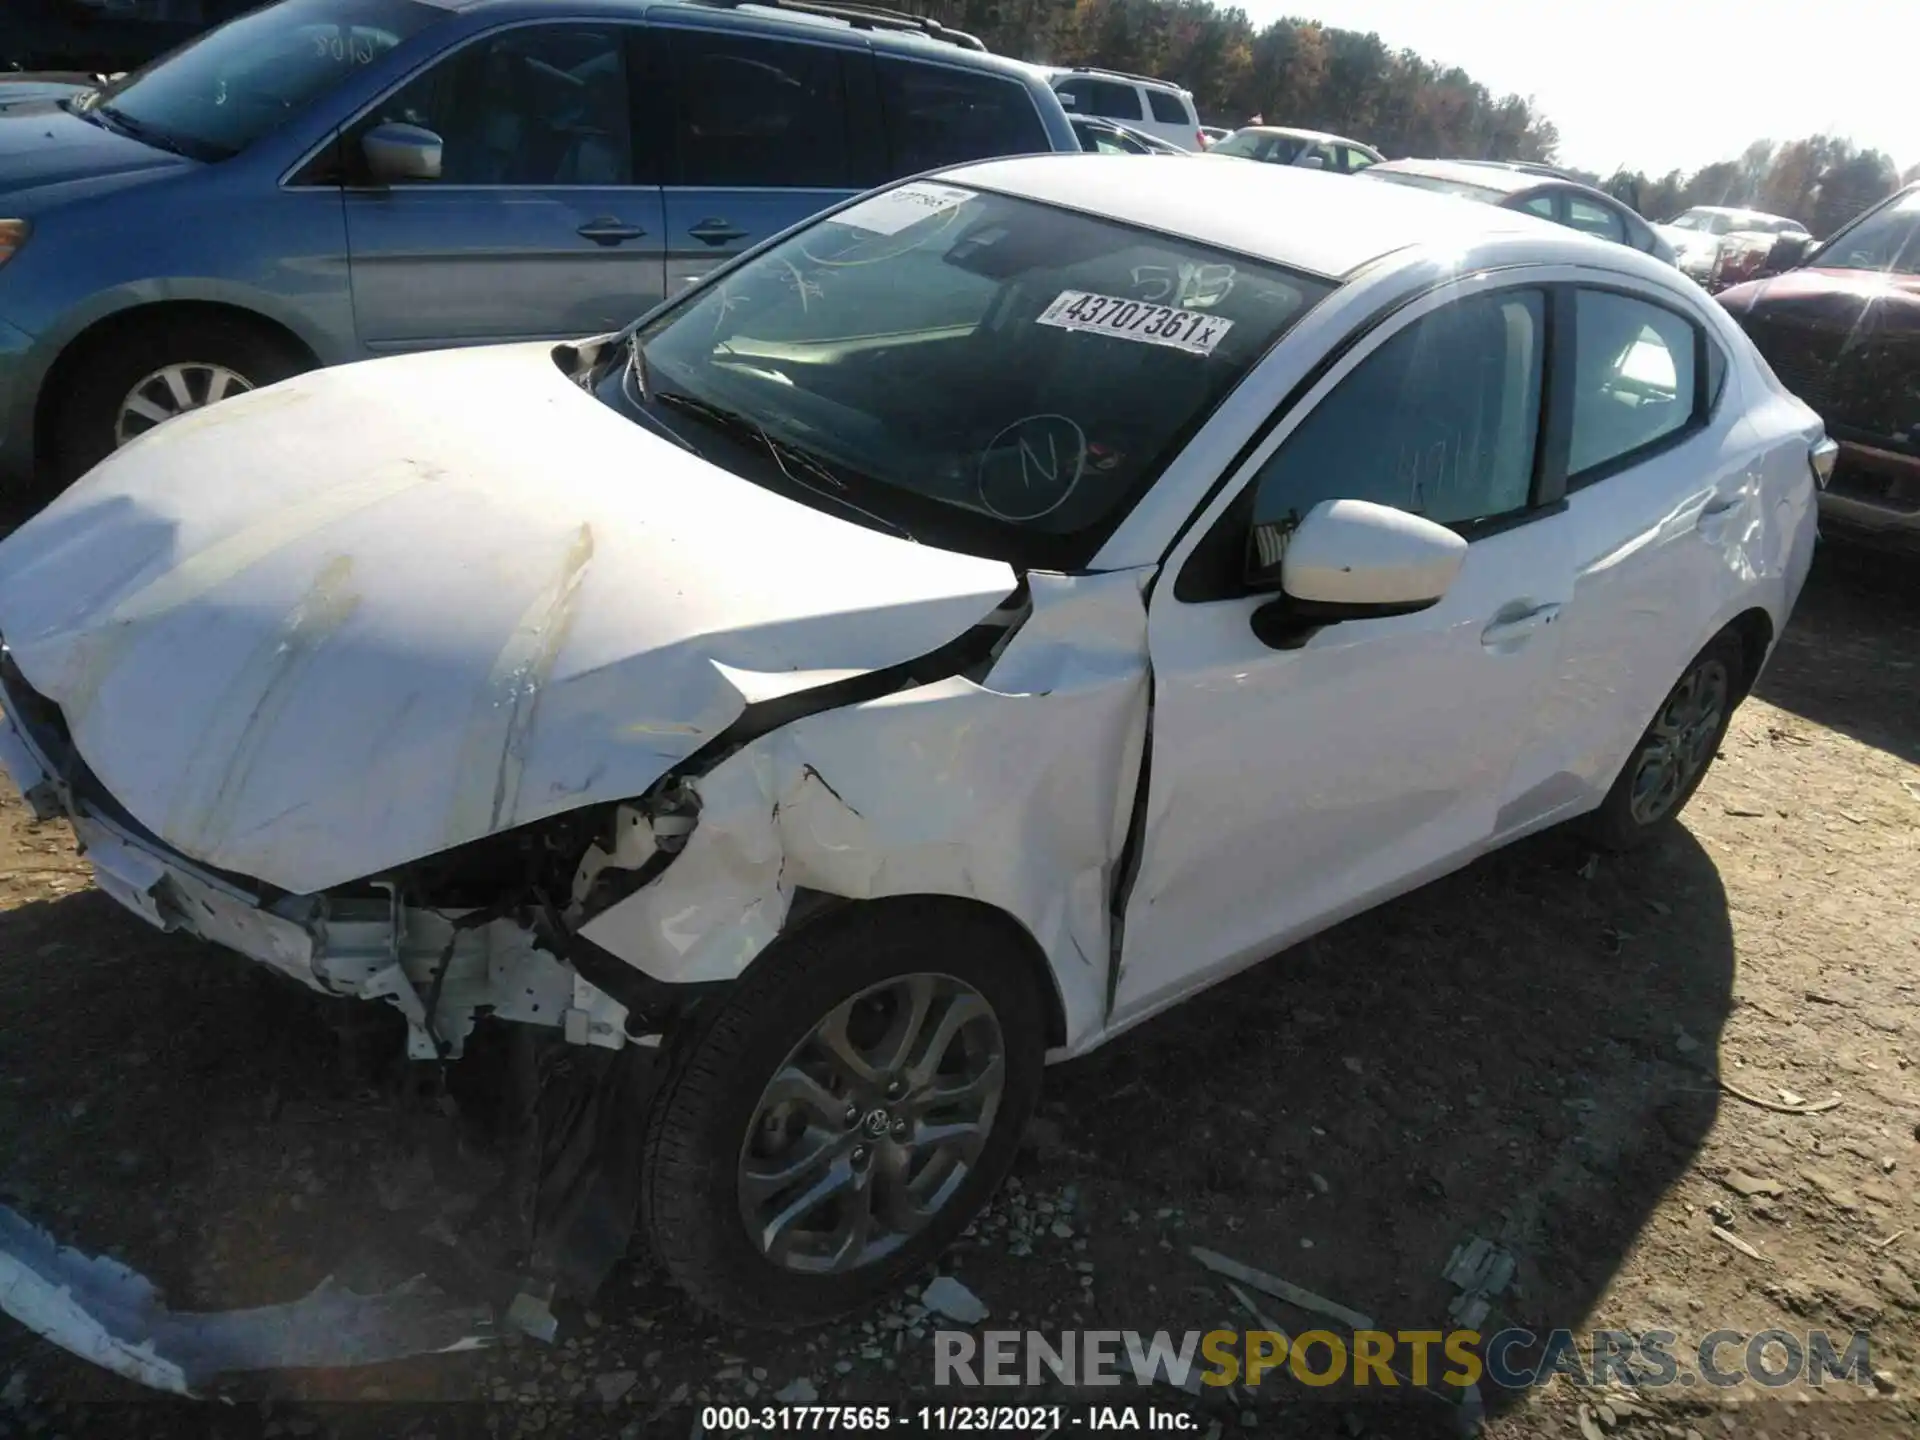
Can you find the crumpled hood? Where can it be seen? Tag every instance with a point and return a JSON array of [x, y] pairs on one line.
[[378, 611], [1831, 299], [42, 145]]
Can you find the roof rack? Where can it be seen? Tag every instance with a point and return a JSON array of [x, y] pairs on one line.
[[1123, 75], [862, 17]]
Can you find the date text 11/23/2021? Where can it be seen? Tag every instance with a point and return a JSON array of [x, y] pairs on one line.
[[928, 1419]]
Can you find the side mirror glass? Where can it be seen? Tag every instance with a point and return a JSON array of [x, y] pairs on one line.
[[398, 153], [1353, 559]]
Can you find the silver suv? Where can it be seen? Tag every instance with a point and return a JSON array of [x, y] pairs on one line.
[[1158, 107]]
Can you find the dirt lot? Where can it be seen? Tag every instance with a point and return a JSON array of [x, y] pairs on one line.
[[1525, 1051]]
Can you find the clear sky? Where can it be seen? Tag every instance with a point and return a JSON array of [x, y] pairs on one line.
[[1655, 84]]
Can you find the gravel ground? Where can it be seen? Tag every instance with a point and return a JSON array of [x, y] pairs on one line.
[[1524, 1051]]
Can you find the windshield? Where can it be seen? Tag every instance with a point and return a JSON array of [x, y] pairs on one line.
[[1260, 145], [983, 373], [1433, 182], [216, 96], [1888, 239]]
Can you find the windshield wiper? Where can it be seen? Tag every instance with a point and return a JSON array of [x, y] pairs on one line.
[[112, 118], [788, 457]]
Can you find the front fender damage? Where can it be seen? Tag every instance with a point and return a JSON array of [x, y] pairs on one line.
[[1002, 768], [1014, 788]]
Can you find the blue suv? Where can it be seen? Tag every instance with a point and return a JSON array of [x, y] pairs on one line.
[[322, 181]]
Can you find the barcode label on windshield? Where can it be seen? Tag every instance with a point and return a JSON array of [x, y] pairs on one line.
[[1188, 330]]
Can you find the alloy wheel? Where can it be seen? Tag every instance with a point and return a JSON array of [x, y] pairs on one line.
[[173, 390], [1680, 742], [871, 1124]]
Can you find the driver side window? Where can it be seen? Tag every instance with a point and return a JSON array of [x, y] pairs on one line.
[[1442, 421], [533, 106]]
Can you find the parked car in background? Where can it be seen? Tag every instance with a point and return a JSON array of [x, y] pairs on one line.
[[1841, 329], [324, 180], [1309, 149], [1158, 107], [21, 89], [840, 703], [1720, 246], [1565, 202], [1110, 137], [1214, 134], [1529, 167]]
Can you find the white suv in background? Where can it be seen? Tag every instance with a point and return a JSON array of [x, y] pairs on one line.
[[1156, 106]]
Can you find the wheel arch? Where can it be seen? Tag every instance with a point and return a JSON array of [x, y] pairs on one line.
[[56, 384], [1755, 630], [817, 914]]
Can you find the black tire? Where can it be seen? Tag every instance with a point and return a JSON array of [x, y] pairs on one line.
[[690, 1208], [84, 429], [1615, 825]]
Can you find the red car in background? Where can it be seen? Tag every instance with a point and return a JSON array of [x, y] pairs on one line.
[[1841, 329]]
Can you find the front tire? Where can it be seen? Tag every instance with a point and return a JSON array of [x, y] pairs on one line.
[[1675, 752], [127, 384], [848, 1111]]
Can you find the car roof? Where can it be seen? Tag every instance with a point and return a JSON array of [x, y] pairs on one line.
[[1099, 72], [772, 15], [1299, 134], [1499, 178], [1465, 172], [1261, 210], [1747, 210]]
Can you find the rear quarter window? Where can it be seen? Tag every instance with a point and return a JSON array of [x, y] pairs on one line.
[[939, 116]]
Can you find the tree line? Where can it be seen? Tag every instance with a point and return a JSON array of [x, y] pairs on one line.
[[1300, 72], [1822, 181]]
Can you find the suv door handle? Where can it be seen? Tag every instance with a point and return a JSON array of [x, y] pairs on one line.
[[609, 230], [715, 232], [1509, 628]]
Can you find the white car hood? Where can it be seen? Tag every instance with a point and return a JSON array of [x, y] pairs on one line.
[[379, 611]]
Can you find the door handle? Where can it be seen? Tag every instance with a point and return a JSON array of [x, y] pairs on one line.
[[609, 230], [715, 232], [1509, 627]]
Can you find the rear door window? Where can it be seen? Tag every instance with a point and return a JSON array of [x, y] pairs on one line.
[[1633, 384], [1111, 98], [939, 116], [1168, 108], [758, 112]]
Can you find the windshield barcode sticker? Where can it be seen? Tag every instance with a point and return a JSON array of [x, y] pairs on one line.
[[894, 210], [1141, 320]]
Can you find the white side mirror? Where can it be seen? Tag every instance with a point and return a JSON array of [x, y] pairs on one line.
[[1363, 559], [397, 152], [1311, 162]]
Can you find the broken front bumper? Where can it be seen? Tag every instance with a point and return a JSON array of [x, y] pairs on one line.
[[369, 947]]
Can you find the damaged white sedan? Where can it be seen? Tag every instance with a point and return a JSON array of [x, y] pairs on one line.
[[952, 633]]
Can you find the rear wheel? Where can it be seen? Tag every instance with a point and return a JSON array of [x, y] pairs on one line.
[[840, 1121], [128, 384], [1676, 750]]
